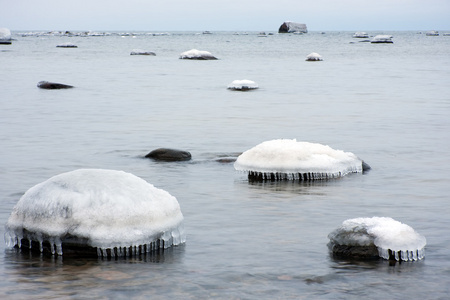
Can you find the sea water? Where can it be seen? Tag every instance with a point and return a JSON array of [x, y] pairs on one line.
[[387, 103]]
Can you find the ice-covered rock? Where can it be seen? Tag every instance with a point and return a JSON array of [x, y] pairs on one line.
[[432, 33], [382, 38], [314, 57], [289, 27], [377, 236], [5, 36], [243, 85], [286, 159], [361, 35], [67, 45], [142, 52], [197, 54], [95, 211]]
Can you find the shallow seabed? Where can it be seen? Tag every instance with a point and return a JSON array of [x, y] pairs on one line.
[[387, 103]]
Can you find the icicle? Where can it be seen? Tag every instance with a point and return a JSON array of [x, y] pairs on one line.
[[99, 252], [113, 254], [52, 245]]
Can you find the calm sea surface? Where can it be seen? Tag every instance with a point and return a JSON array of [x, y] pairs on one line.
[[387, 103]]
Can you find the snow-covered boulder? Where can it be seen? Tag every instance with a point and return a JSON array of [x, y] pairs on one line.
[[314, 57], [243, 85], [286, 159], [291, 27], [5, 36], [98, 212], [67, 45], [142, 52], [361, 35], [377, 237], [382, 38], [197, 54]]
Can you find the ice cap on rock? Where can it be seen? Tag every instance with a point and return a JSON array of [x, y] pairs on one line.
[[107, 208]]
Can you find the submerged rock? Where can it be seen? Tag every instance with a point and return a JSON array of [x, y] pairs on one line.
[[95, 212], [243, 85], [377, 237], [197, 54], [286, 159], [292, 27], [167, 154], [53, 85]]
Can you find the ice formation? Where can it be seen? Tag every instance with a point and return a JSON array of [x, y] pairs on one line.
[[67, 45], [115, 212], [382, 38], [243, 85], [360, 35], [197, 54], [286, 159], [142, 52], [5, 34], [393, 239], [314, 57]]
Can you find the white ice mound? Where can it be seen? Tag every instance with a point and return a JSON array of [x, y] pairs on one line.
[[393, 239], [314, 57], [360, 35], [382, 38], [142, 52], [243, 85], [197, 54], [5, 34], [288, 159], [104, 209]]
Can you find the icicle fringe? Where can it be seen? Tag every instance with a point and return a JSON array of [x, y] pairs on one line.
[[166, 240], [279, 176]]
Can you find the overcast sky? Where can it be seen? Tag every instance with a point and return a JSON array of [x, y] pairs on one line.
[[232, 15]]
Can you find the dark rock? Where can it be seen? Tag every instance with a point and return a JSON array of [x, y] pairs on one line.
[[365, 166], [359, 252], [52, 85], [292, 27], [166, 154]]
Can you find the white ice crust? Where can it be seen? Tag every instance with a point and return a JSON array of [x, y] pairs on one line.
[[314, 57], [194, 53], [383, 232], [67, 45], [382, 38], [110, 208], [141, 52], [243, 84], [290, 156], [5, 34]]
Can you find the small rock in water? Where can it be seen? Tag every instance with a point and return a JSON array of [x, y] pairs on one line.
[[67, 45], [142, 52], [243, 85], [377, 237], [198, 55], [53, 85], [166, 154], [314, 57]]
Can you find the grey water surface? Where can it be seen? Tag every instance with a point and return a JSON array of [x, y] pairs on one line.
[[387, 103]]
